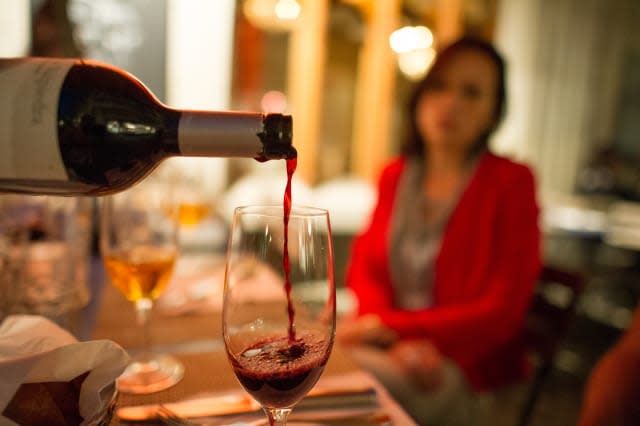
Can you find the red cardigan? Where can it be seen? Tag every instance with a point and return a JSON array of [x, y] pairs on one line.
[[485, 271]]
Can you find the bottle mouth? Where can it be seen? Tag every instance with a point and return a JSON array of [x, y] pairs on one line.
[[291, 153], [267, 155], [276, 137]]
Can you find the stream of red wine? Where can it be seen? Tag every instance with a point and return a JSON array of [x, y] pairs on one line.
[[292, 163]]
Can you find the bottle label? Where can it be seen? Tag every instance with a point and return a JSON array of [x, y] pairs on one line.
[[28, 118]]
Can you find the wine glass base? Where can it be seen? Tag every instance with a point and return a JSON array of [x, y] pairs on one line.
[[153, 375]]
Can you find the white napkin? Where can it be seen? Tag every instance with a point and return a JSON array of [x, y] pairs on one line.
[[34, 350]]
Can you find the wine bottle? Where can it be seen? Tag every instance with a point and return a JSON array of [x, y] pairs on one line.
[[79, 127]]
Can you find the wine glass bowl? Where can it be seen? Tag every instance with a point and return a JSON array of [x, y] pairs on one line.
[[139, 247], [279, 303]]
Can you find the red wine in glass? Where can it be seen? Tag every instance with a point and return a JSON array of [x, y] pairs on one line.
[[278, 373]]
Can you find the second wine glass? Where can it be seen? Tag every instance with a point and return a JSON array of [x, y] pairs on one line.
[[139, 247], [279, 303]]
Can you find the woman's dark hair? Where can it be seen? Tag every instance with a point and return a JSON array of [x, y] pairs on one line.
[[414, 144]]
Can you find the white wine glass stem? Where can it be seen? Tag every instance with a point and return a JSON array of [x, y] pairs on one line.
[[143, 315], [278, 416]]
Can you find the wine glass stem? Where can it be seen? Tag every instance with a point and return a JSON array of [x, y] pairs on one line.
[[143, 313], [278, 416]]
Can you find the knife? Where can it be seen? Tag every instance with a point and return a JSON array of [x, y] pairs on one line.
[[240, 403]]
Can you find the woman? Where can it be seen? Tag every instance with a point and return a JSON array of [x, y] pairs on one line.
[[446, 268]]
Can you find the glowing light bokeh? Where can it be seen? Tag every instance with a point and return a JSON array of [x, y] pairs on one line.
[[409, 38], [272, 15], [413, 48]]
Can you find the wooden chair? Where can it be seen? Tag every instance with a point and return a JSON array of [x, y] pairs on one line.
[[548, 320]]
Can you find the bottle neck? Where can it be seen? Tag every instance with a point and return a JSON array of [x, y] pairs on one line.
[[234, 134]]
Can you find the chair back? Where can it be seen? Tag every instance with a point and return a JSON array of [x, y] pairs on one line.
[[552, 310], [548, 320]]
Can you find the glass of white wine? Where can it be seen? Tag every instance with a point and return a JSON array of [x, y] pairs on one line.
[[139, 247]]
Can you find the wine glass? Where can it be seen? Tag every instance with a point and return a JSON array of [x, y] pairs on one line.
[[139, 247], [279, 303]]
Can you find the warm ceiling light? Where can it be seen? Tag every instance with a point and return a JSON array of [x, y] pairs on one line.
[[407, 39], [272, 15], [287, 10], [413, 49], [415, 63]]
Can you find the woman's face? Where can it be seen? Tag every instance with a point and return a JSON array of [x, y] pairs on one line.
[[459, 104]]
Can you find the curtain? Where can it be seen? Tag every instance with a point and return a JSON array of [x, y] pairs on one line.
[[565, 60]]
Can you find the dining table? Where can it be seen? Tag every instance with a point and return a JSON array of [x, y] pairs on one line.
[[194, 336]]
